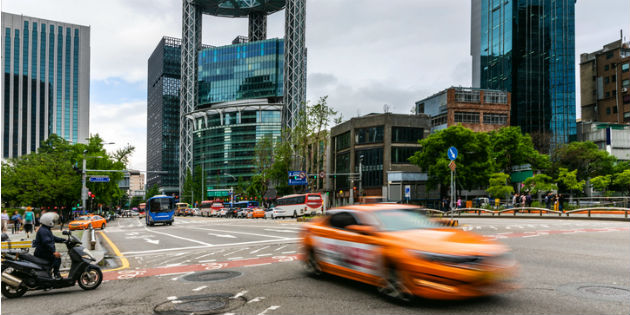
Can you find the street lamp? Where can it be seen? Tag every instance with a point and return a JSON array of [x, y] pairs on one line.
[[232, 189]]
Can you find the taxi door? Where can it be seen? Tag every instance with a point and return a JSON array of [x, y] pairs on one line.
[[347, 253]]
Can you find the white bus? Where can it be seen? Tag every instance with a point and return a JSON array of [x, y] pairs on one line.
[[298, 205]]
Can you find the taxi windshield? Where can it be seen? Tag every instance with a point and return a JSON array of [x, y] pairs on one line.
[[83, 218], [398, 220]]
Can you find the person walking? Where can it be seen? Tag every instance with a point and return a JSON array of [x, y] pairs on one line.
[[459, 202], [5, 220], [560, 203], [36, 222], [523, 200], [17, 221], [29, 221]]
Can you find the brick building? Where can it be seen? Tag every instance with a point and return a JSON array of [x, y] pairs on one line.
[[476, 109]]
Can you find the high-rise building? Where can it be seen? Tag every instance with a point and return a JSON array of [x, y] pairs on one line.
[[46, 82], [293, 54], [240, 102], [605, 84], [163, 115], [527, 47]]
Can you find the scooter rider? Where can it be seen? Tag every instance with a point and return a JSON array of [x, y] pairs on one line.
[[44, 242]]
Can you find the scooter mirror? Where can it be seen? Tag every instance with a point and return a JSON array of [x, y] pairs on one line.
[[66, 233]]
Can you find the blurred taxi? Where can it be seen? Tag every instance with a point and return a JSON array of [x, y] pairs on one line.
[[258, 213], [405, 254], [84, 222]]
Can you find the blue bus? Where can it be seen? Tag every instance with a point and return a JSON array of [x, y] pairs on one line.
[[160, 209], [241, 204]]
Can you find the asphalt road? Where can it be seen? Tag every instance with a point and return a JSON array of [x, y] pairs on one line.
[[566, 267]]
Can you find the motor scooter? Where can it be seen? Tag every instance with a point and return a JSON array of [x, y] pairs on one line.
[[22, 272]]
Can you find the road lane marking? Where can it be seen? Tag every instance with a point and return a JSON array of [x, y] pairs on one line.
[[171, 298], [281, 247], [256, 251], [202, 256], [237, 295], [235, 232], [261, 255], [222, 235], [281, 231], [256, 299], [270, 308], [148, 252], [236, 251], [154, 242], [206, 261], [235, 258], [200, 288], [178, 237], [121, 257], [289, 252], [258, 265]]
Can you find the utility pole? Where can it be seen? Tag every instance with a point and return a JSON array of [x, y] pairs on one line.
[[83, 186], [360, 176]]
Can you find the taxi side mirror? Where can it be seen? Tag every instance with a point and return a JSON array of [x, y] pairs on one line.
[[361, 229]]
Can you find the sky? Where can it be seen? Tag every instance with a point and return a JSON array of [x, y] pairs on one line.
[[362, 54]]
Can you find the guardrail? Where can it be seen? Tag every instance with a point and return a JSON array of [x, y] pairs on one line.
[[540, 211]]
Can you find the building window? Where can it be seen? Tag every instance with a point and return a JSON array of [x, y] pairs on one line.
[[626, 99], [342, 141], [613, 78], [606, 80], [467, 117], [439, 120], [625, 67], [401, 155], [372, 165], [606, 68], [607, 94], [342, 165], [369, 135], [614, 93], [607, 110], [494, 119], [615, 110], [609, 54], [466, 96], [407, 134], [420, 108], [625, 83], [495, 97]]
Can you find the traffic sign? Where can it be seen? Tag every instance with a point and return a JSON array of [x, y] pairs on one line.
[[99, 179], [407, 191], [452, 166], [452, 153], [322, 173], [297, 178]]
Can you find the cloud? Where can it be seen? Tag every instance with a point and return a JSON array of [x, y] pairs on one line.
[[122, 123]]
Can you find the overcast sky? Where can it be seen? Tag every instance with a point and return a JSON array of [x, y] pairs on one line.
[[362, 54]]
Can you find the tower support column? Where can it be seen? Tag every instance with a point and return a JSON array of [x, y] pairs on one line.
[[257, 26], [294, 61]]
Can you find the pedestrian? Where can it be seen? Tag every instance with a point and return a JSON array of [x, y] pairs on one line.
[[523, 200], [560, 203], [529, 199], [459, 202], [17, 221], [5, 220], [555, 203], [514, 200], [37, 222], [29, 220]]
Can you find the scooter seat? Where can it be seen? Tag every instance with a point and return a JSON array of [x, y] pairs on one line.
[[33, 259]]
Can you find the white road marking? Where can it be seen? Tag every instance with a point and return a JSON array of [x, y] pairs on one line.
[[246, 233], [236, 251], [200, 288], [256, 299], [248, 266], [149, 252], [261, 255], [256, 251], [155, 242], [178, 237], [222, 235], [171, 298], [289, 252], [235, 258], [270, 308], [239, 294], [173, 265], [493, 227], [207, 261], [467, 228], [281, 247], [281, 231], [202, 256]]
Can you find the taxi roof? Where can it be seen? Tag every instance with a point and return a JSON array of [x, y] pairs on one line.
[[376, 207]]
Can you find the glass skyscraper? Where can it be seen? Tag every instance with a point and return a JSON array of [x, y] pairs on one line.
[[240, 102], [527, 47], [46, 82]]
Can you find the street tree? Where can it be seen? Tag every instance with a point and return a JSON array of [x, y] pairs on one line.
[[474, 162], [569, 180], [510, 147], [153, 191], [585, 157], [601, 183], [539, 183], [499, 185], [622, 180]]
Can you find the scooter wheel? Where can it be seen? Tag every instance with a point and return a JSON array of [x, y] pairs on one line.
[[10, 292], [90, 278]]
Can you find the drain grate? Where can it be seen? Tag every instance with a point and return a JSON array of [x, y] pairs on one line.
[[597, 291], [200, 304], [212, 275]]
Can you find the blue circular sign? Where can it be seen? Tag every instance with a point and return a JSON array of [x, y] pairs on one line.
[[452, 153]]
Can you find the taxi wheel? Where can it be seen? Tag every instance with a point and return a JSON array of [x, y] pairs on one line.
[[393, 288], [103, 226], [311, 266]]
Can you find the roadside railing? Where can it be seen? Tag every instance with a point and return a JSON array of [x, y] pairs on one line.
[[529, 210]]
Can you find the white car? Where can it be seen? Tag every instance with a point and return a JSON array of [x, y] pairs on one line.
[[195, 211], [269, 213], [222, 213]]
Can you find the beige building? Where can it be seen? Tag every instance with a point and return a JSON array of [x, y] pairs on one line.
[[136, 183]]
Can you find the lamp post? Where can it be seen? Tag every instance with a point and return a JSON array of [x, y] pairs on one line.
[[232, 190]]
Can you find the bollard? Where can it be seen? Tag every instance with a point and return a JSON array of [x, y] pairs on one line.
[[540, 212], [92, 239], [626, 215], [589, 213]]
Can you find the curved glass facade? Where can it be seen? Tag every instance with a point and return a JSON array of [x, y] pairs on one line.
[[241, 71], [224, 140]]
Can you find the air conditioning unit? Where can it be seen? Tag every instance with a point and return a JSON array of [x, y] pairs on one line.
[[625, 90]]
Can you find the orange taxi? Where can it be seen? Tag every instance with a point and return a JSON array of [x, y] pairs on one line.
[[84, 222], [258, 213], [405, 254]]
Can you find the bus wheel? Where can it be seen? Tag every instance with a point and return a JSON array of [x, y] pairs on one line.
[[294, 214]]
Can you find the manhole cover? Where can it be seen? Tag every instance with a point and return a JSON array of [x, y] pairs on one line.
[[212, 275], [597, 291], [200, 304], [604, 290]]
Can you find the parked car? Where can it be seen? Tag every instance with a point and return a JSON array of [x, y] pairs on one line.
[[269, 213], [258, 213]]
